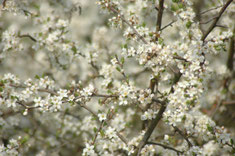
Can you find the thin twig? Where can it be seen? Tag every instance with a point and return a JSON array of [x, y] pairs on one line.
[[150, 129], [183, 135], [131, 26], [203, 12], [166, 147], [229, 102], [213, 25], [180, 58], [100, 128], [103, 95], [29, 36], [170, 24], [93, 113], [208, 20]]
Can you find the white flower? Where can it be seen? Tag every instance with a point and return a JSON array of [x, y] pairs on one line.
[[63, 93], [71, 98], [62, 23], [148, 115], [56, 103], [110, 132], [39, 102], [102, 116], [88, 91], [89, 150]]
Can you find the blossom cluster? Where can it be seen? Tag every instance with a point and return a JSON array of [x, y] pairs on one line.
[[119, 77]]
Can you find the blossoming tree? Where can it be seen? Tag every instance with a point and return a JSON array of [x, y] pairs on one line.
[[117, 77]]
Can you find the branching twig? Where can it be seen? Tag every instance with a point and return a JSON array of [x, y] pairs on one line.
[[213, 25], [29, 36], [203, 12], [170, 24], [166, 147], [150, 129], [131, 26], [93, 113], [100, 128], [183, 135]]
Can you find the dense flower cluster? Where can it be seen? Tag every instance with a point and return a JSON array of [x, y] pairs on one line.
[[80, 77]]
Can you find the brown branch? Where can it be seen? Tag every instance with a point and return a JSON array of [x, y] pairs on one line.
[[231, 50], [213, 25], [100, 128], [155, 121], [93, 113], [228, 102], [180, 58], [183, 135], [203, 12], [166, 147], [103, 95], [40, 90], [208, 20], [159, 17], [170, 24], [4, 3], [29, 36], [150, 129]]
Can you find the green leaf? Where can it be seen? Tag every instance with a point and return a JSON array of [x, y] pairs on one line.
[[102, 133], [122, 60], [95, 129], [175, 1], [210, 128], [188, 24], [174, 7], [118, 69], [37, 77], [74, 49], [24, 140]]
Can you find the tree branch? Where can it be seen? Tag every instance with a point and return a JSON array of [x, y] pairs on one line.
[[159, 17], [150, 129], [93, 113], [203, 12], [131, 26], [29, 36], [231, 50], [170, 24], [166, 147], [213, 25], [4, 3], [183, 135]]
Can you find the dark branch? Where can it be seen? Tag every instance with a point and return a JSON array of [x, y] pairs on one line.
[[150, 129], [4, 3], [170, 24], [29, 36], [231, 50], [166, 147], [213, 25], [159, 17], [183, 135], [131, 26], [203, 12]]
